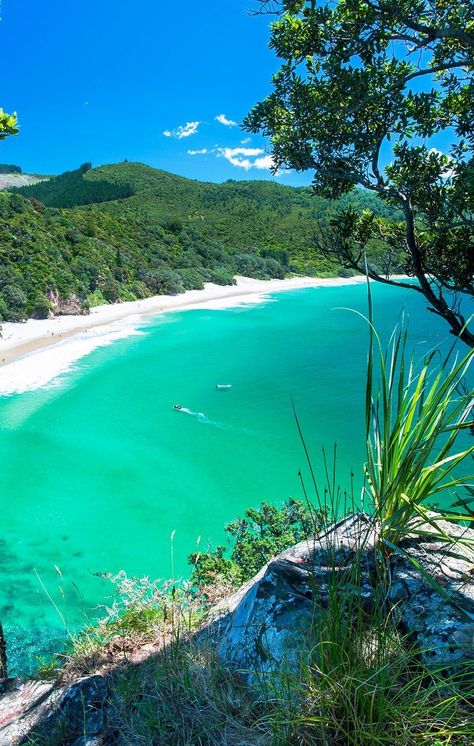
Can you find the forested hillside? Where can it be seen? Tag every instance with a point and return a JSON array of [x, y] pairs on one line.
[[71, 189], [128, 231]]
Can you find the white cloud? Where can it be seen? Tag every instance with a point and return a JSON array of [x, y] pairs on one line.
[[203, 151], [226, 122], [259, 161], [241, 151], [265, 162], [246, 140], [184, 130]]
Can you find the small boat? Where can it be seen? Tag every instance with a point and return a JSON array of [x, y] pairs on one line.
[[223, 386], [177, 406]]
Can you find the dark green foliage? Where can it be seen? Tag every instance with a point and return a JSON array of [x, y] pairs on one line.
[[15, 300], [6, 168], [41, 310], [71, 189], [346, 272], [251, 265], [220, 276], [210, 568], [257, 537], [172, 234], [192, 279], [173, 225]]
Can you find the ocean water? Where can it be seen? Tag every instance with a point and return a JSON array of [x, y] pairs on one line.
[[98, 470]]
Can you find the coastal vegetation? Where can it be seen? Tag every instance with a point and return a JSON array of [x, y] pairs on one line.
[[71, 189], [363, 89], [254, 539], [128, 231], [364, 684]]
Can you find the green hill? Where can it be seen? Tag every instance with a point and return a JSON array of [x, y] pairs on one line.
[[127, 231]]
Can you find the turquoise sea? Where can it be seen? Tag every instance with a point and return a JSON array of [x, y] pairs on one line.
[[99, 471]]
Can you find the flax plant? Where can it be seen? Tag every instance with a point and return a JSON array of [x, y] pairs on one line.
[[414, 416]]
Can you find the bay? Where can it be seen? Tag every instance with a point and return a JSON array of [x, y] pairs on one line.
[[99, 470]]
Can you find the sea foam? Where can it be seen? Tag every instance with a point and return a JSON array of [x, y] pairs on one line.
[[47, 367]]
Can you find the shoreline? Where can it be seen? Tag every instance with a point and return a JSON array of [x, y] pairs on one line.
[[34, 352]]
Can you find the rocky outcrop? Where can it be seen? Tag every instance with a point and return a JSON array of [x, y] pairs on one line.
[[72, 305], [438, 615], [269, 623], [43, 713]]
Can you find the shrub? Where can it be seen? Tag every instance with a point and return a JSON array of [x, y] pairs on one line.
[[15, 300], [251, 265], [73, 236], [280, 255], [41, 309], [220, 276], [273, 268], [111, 290], [173, 225], [346, 272], [261, 534], [191, 278], [167, 282], [95, 299], [3, 310]]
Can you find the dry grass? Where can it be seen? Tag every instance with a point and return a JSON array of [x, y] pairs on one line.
[[184, 695], [164, 688]]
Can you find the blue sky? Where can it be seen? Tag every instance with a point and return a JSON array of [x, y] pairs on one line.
[[102, 81]]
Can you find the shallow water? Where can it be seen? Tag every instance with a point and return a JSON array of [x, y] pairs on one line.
[[98, 469]]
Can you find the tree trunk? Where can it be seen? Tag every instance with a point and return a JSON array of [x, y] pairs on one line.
[[439, 305], [3, 655]]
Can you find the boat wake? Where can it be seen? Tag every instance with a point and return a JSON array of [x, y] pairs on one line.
[[205, 420]]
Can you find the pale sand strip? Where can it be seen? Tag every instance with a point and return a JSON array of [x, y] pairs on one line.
[[19, 339], [34, 352]]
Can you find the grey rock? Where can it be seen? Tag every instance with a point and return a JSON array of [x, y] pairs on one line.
[[43, 709], [441, 622], [267, 624], [65, 306], [81, 705], [22, 703]]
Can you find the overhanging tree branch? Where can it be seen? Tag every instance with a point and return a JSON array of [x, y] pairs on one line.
[[334, 114]]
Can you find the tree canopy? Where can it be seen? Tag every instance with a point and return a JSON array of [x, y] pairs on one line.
[[364, 89]]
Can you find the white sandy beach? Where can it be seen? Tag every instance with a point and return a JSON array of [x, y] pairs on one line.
[[34, 353]]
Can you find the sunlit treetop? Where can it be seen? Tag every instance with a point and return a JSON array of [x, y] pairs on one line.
[[8, 124], [355, 74]]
